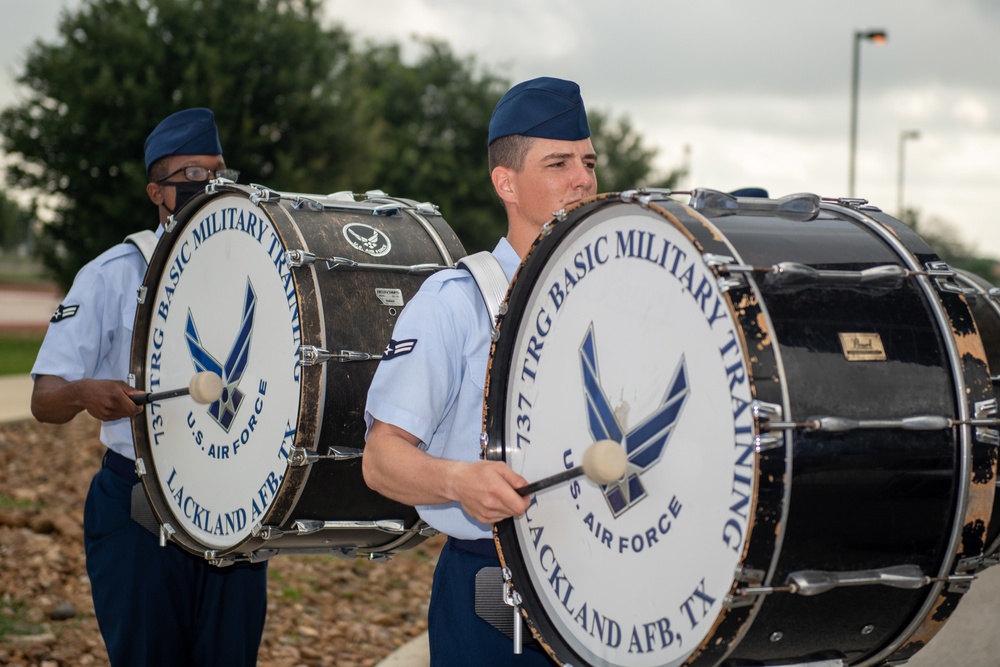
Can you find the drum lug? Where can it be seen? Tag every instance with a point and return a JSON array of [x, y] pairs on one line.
[[732, 282], [298, 258], [944, 279], [986, 409], [512, 598], [852, 202], [262, 194], [645, 196], [764, 443], [310, 355], [166, 533], [299, 457], [815, 582], [490, 452], [740, 598], [267, 532], [765, 412], [140, 466], [312, 526], [965, 570], [801, 207], [141, 295]]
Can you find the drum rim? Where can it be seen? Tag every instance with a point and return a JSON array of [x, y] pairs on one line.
[[281, 503], [736, 617]]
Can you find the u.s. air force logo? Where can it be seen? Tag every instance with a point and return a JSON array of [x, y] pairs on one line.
[[645, 443], [224, 410], [367, 239]]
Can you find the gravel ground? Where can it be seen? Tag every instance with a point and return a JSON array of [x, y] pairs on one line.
[[321, 610]]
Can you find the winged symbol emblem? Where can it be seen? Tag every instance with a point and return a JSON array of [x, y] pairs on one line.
[[224, 410], [367, 239], [645, 443]]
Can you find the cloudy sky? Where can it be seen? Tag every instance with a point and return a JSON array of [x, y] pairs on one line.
[[745, 92]]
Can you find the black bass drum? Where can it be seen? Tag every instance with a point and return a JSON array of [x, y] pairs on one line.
[[793, 382], [290, 298]]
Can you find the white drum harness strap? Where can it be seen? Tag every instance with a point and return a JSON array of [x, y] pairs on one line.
[[490, 279]]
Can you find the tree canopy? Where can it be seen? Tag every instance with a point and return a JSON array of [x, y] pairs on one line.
[[300, 108]]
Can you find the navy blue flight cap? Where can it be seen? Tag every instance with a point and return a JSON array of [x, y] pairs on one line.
[[187, 132], [546, 108]]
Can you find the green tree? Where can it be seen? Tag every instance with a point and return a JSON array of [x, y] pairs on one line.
[[299, 109], [945, 240], [427, 124], [15, 223], [623, 161], [266, 67]]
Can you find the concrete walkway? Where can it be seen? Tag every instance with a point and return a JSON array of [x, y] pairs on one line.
[[15, 398]]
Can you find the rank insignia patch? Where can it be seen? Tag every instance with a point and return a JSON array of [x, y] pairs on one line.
[[64, 312], [397, 348]]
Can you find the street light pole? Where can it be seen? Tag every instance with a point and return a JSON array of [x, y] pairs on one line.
[[877, 37], [903, 136]]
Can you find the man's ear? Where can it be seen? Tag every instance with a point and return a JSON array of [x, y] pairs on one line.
[[155, 193], [503, 183]]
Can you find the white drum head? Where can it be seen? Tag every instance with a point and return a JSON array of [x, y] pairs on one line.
[[225, 303], [624, 335]]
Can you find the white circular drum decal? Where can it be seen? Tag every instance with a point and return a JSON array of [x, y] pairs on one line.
[[625, 336], [367, 239], [225, 303]]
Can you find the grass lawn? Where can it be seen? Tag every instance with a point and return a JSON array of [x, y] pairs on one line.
[[18, 352]]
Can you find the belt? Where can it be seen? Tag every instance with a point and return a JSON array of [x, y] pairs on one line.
[[121, 465], [483, 547]]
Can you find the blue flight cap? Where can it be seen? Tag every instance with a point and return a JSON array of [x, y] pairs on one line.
[[546, 108], [187, 132], [750, 192]]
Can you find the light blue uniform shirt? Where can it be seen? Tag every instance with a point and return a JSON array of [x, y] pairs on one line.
[[435, 391], [93, 337]]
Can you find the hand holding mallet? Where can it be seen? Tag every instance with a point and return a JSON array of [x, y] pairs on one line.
[[205, 387]]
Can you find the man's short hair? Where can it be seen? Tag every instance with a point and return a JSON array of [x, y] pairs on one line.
[[509, 152], [158, 170]]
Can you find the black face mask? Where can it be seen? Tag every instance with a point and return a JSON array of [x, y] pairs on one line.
[[184, 191]]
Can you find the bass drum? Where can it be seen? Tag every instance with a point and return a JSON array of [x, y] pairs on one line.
[[291, 299], [792, 381]]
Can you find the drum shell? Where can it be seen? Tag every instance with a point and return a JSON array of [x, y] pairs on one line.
[[982, 298], [336, 307]]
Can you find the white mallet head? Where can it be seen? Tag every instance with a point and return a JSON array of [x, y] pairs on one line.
[[604, 462], [206, 387]]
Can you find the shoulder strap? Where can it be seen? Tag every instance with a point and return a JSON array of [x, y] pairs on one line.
[[145, 241], [490, 279]]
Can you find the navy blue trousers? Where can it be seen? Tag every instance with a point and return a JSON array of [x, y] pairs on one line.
[[161, 605], [457, 636]]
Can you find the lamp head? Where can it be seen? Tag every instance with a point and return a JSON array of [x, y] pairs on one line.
[[874, 36]]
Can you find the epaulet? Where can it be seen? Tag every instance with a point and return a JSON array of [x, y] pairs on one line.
[[490, 279], [145, 241]]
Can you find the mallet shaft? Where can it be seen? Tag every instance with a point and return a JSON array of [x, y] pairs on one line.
[[551, 480], [153, 397]]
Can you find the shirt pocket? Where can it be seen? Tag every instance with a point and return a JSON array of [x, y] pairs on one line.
[[475, 372]]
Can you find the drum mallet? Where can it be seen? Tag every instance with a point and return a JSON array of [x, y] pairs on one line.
[[205, 387], [603, 462]]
